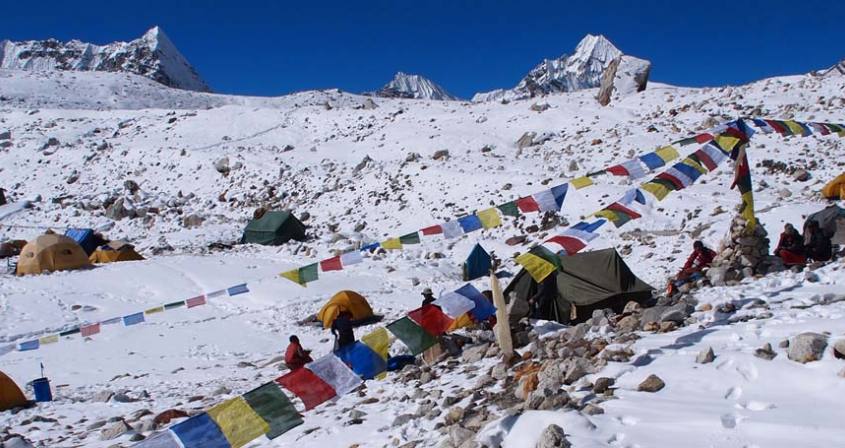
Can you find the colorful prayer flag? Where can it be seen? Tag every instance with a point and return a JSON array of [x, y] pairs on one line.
[[581, 182], [163, 439], [379, 341], [452, 229], [174, 305], [742, 180], [28, 345], [154, 310], [195, 301], [412, 335], [546, 201], [49, 339], [567, 244], [509, 209], [112, 321], [483, 308], [453, 304], [489, 218], [667, 153], [89, 330], [303, 383], [793, 126], [365, 362], [527, 205], [432, 230], [432, 319], [391, 244], [213, 294], [539, 262], [652, 160], [274, 407], [351, 257], [335, 373], [70, 331], [237, 289], [238, 422], [133, 319], [469, 223], [331, 264], [559, 192], [410, 238], [200, 431]]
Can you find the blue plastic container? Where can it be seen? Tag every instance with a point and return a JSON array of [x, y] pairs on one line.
[[41, 386]]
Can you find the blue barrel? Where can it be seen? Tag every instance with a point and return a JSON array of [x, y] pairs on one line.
[[41, 386]]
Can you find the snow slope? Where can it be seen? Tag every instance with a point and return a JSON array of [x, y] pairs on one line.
[[362, 174]]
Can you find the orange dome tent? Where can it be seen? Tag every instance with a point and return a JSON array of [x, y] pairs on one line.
[[10, 394], [835, 189], [51, 252], [349, 301], [115, 251]]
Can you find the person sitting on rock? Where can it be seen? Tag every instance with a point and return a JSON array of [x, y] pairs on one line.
[[699, 260], [790, 247], [295, 356], [818, 246], [342, 330]]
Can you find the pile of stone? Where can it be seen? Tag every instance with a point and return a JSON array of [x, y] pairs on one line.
[[745, 253]]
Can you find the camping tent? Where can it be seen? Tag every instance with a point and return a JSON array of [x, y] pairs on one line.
[[273, 229], [835, 189], [478, 264], [10, 394], [831, 220], [86, 238], [589, 280], [349, 301], [51, 252], [115, 251]]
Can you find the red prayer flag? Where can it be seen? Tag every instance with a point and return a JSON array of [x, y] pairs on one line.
[[432, 319], [618, 170], [703, 138], [617, 207], [527, 205], [432, 230], [776, 126], [674, 180], [89, 330], [331, 264], [195, 301], [704, 158], [307, 386], [570, 245]]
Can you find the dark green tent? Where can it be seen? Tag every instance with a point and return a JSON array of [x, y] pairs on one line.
[[273, 229], [590, 280]]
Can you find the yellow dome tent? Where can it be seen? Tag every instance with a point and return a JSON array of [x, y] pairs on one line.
[[349, 301], [115, 251], [835, 189], [51, 252], [10, 394]]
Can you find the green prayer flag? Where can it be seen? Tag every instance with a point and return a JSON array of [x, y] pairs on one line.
[[417, 339], [411, 238], [308, 273], [509, 209], [274, 407], [547, 255], [172, 305]]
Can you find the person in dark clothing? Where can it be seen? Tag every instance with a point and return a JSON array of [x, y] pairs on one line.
[[819, 246], [546, 294], [790, 247], [342, 330], [295, 356], [2, 196], [428, 297]]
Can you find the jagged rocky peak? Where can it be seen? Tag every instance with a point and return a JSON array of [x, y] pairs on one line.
[[152, 55], [404, 85], [581, 70], [835, 70]]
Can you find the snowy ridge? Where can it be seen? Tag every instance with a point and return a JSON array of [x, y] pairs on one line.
[[404, 85], [152, 55]]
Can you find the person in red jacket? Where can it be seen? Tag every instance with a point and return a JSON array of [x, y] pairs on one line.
[[295, 356], [791, 247], [699, 260]]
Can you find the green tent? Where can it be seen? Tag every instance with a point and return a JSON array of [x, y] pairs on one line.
[[589, 281], [273, 229]]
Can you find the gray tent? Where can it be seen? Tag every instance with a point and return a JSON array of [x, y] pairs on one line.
[[831, 220], [273, 229], [589, 281]]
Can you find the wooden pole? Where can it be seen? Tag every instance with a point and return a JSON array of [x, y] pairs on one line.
[[502, 330]]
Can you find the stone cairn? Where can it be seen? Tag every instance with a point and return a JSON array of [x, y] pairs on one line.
[[743, 254]]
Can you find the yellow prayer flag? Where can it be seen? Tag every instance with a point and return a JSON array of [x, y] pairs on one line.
[[581, 182], [726, 142], [489, 218], [157, 309], [667, 153], [391, 243], [841, 133], [536, 266], [238, 422], [292, 275], [794, 127], [690, 162], [659, 191], [51, 339], [747, 211], [378, 340], [606, 214], [464, 320]]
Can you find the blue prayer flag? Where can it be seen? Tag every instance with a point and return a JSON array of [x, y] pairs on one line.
[[200, 431], [470, 223], [29, 345], [238, 289], [133, 319], [483, 308], [589, 227], [690, 172], [362, 359], [559, 192], [652, 160]]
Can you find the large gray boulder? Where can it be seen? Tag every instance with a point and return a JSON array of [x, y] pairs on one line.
[[553, 437], [807, 347]]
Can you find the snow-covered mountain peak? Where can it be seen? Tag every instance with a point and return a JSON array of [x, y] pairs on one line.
[[404, 85], [153, 55], [595, 48]]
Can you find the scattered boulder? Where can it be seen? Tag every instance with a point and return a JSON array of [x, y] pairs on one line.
[[765, 352], [114, 430], [807, 347], [131, 186], [222, 166], [102, 396], [441, 154], [553, 437], [651, 384], [602, 384], [839, 349], [706, 356], [475, 353], [165, 417]]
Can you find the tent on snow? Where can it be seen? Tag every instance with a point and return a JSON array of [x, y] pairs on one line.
[[831, 220], [349, 301], [587, 281], [86, 238], [273, 229], [478, 263], [10, 394], [835, 189], [113, 252], [51, 252]]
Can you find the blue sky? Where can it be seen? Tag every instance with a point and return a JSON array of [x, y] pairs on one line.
[[271, 48]]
